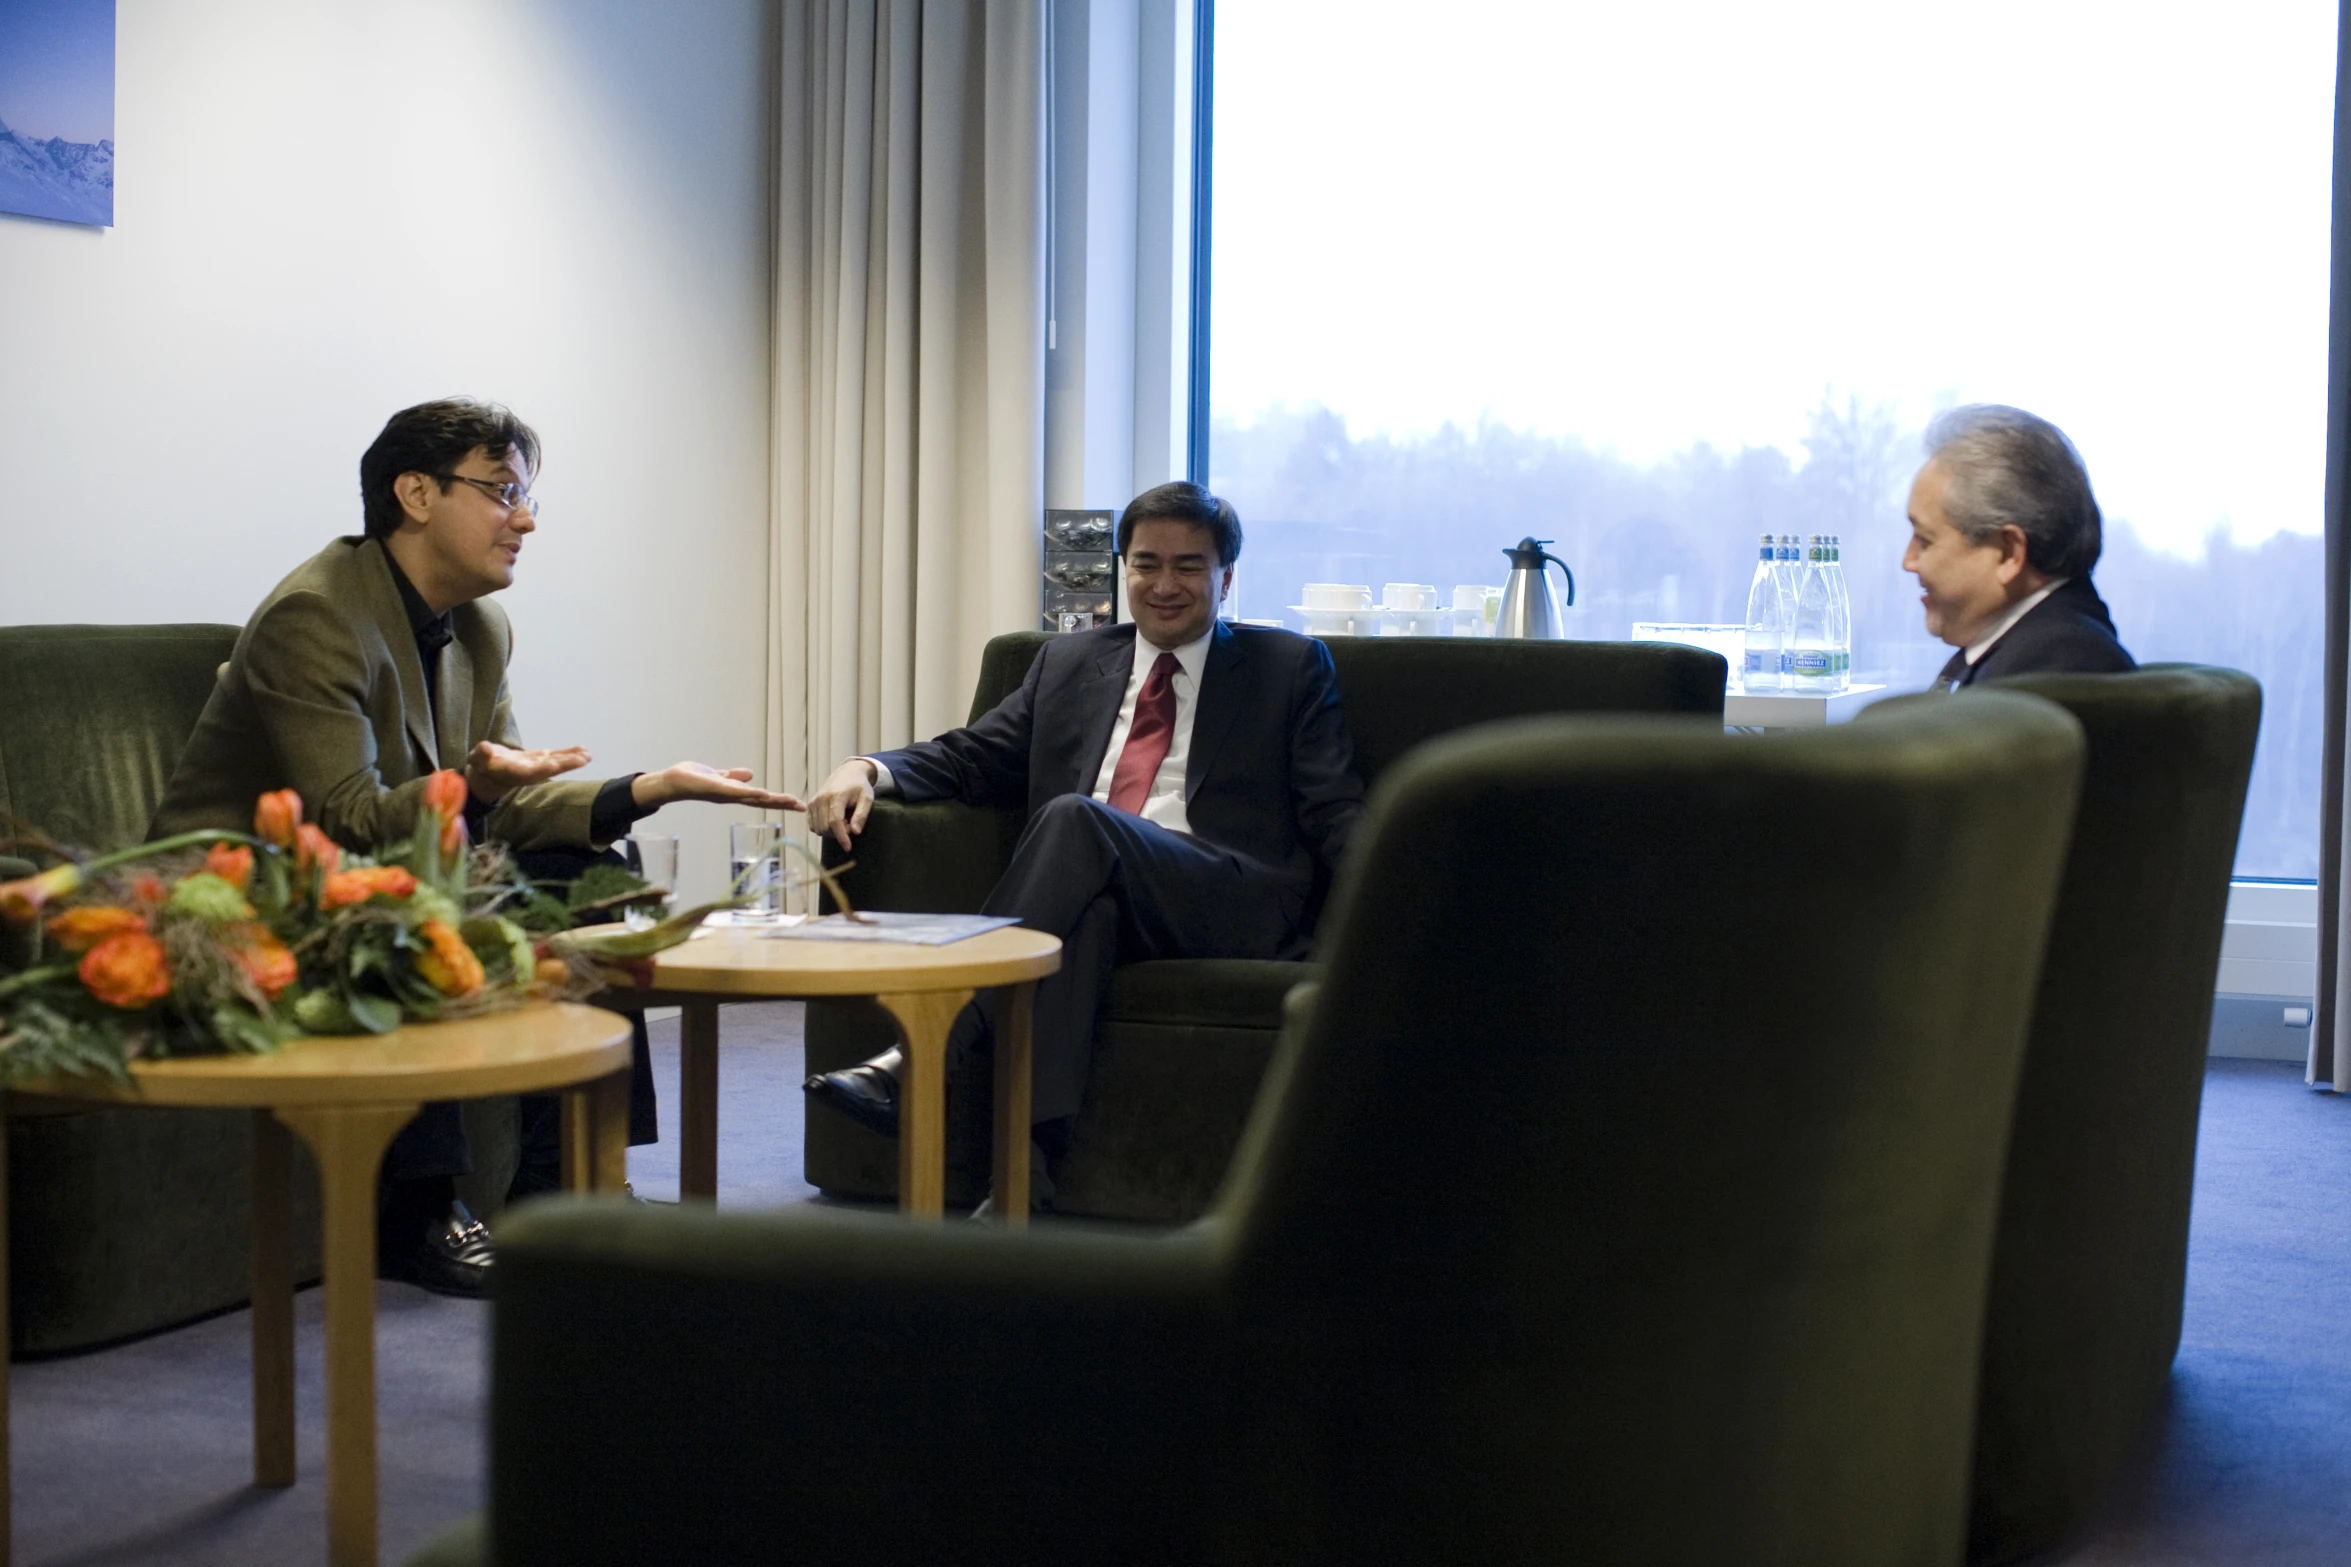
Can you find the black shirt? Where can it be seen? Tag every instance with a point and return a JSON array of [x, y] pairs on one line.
[[616, 809]]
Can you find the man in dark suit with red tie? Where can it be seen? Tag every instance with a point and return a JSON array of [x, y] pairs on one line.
[[1190, 787]]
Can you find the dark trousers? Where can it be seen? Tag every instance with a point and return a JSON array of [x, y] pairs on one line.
[[1118, 889], [435, 1144]]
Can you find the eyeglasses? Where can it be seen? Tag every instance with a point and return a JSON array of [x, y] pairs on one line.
[[509, 495]]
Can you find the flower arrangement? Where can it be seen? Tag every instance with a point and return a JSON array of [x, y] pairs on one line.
[[216, 941]]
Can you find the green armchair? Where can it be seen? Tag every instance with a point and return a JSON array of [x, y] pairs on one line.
[[119, 1221], [1608, 1230], [2089, 1269], [1183, 1046]]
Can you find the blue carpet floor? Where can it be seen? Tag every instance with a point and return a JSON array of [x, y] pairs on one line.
[[138, 1454]]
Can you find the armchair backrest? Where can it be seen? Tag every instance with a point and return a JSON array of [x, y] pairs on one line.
[[1627, 1192], [2089, 1268], [1401, 691], [93, 719]]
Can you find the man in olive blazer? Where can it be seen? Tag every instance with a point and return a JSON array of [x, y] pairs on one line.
[[378, 661], [326, 694]]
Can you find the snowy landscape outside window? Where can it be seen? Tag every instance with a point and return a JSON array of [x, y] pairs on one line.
[[1651, 281]]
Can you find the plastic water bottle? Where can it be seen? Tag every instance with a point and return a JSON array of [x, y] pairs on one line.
[[1767, 621], [1788, 566], [1812, 661], [1840, 615]]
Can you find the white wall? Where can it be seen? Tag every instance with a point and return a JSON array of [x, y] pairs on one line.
[[327, 211]]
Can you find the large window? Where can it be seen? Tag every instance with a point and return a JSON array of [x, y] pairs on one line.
[[1650, 281]]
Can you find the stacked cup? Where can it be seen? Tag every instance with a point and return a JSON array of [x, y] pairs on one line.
[[1409, 609], [1337, 609]]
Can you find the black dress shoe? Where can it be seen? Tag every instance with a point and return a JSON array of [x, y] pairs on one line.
[[451, 1255], [866, 1093]]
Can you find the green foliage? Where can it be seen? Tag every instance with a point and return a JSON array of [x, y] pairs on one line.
[[207, 897], [40, 1040], [606, 889]]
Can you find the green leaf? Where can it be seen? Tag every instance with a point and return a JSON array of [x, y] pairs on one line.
[[540, 913], [603, 882], [324, 1011], [376, 1014]]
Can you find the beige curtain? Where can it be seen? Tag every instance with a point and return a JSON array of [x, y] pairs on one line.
[[910, 355]]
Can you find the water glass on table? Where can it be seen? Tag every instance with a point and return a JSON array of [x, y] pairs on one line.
[[755, 870], [651, 858]]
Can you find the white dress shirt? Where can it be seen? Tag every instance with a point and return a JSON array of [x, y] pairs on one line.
[[2007, 623], [1165, 803]]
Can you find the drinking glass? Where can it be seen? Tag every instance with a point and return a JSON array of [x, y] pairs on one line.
[[651, 858], [754, 869]]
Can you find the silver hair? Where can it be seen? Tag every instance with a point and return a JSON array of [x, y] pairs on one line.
[[2009, 466]]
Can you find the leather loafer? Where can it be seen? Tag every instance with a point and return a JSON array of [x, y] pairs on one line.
[[866, 1093], [451, 1255]]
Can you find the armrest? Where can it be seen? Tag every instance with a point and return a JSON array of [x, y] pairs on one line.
[[940, 857], [823, 1386]]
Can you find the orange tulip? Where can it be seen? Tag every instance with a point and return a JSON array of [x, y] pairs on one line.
[[444, 796], [148, 891], [232, 863], [78, 930], [127, 970], [363, 883], [315, 848], [276, 815], [450, 966], [21, 902], [267, 961], [444, 793]]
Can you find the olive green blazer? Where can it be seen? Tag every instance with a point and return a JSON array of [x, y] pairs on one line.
[[325, 695]]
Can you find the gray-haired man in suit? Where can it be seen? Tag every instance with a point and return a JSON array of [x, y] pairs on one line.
[[2003, 533]]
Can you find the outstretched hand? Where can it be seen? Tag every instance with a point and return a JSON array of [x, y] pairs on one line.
[[842, 802], [492, 771], [720, 785]]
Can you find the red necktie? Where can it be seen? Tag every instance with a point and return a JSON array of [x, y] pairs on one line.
[[1147, 739]]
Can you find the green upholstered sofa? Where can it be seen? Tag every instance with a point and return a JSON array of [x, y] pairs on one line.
[[1584, 1237], [1183, 1045], [119, 1221]]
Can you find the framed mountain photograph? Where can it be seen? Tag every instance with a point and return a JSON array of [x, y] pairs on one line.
[[57, 109]]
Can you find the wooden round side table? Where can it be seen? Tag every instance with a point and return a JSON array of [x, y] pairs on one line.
[[346, 1098]]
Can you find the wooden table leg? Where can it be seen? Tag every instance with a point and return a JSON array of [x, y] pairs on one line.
[[1012, 1104], [698, 1102], [923, 1018], [273, 1301], [7, 1472], [348, 1141], [608, 1145]]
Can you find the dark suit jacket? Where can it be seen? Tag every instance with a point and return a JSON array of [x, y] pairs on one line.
[[1270, 774], [2069, 632]]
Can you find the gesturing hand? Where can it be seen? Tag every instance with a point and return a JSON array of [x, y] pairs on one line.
[[693, 781], [841, 804], [492, 771]]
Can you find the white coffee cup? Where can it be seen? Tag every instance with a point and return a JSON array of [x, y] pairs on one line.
[[1338, 595], [1408, 595]]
